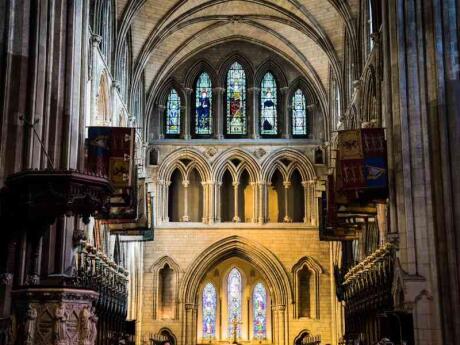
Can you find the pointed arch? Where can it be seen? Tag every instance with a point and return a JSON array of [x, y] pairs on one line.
[[272, 270], [245, 63], [296, 158], [165, 271], [173, 160], [247, 161]]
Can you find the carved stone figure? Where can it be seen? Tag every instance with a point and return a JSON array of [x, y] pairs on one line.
[[60, 327], [93, 319], [85, 326], [29, 326]]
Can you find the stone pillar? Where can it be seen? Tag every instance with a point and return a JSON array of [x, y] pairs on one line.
[[205, 202], [220, 112], [211, 202], [217, 191], [254, 94], [314, 203], [286, 218], [282, 325], [159, 125], [307, 198], [262, 202], [57, 316], [254, 202], [186, 217], [189, 323], [6, 283], [188, 113], [236, 217], [95, 42], [283, 127]]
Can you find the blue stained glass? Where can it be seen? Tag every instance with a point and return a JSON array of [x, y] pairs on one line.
[[268, 101], [234, 301], [203, 105], [236, 100], [173, 114], [299, 114], [209, 311], [259, 301]]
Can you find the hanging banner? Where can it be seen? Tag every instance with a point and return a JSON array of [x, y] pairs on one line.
[[362, 163], [111, 154]]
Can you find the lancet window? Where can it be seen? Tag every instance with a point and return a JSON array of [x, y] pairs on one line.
[[173, 117], [268, 106], [259, 302], [236, 118], [234, 292], [209, 311], [203, 105], [299, 114]]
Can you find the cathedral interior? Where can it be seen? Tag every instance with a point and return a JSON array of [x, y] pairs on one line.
[[191, 172]]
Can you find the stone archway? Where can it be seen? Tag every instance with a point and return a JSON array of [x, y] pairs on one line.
[[276, 277]]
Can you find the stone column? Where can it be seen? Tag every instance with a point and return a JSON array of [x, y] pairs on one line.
[[254, 202], [286, 218], [283, 127], [189, 323], [236, 217], [220, 112], [307, 198], [281, 325], [186, 217], [188, 118], [254, 95], [217, 201], [262, 202], [211, 202], [314, 203], [159, 125], [95, 42]]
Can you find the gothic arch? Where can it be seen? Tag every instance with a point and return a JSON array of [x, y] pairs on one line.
[[196, 69], [247, 163], [227, 63], [264, 260], [172, 161], [163, 93], [271, 66], [155, 269], [297, 161], [103, 100], [315, 270]]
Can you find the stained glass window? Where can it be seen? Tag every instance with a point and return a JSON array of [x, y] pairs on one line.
[[299, 114], [209, 311], [173, 114], [259, 301], [203, 105], [268, 101], [234, 302], [236, 100]]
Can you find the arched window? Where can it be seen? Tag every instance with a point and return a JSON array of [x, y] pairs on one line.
[[203, 105], [234, 301], [236, 119], [209, 311], [173, 114], [299, 114], [268, 106], [259, 301]]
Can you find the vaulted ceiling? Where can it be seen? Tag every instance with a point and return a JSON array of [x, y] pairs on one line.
[[309, 33]]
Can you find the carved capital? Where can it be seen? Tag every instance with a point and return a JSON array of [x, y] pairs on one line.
[[6, 279]]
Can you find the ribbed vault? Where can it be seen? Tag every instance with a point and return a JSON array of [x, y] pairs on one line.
[[308, 33]]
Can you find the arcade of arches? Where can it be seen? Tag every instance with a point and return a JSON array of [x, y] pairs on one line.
[[220, 223]]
